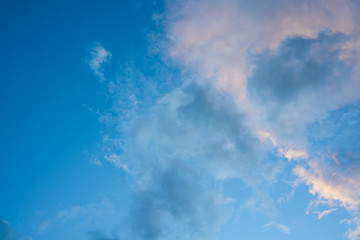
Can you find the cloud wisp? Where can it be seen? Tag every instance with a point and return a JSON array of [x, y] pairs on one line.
[[99, 56], [281, 227]]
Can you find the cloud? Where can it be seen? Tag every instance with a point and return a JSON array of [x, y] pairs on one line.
[[79, 220], [116, 161], [330, 189], [303, 74], [177, 205], [335, 182], [196, 123], [279, 226], [99, 56], [326, 212], [304, 57], [44, 225], [96, 162], [179, 150], [260, 75], [215, 38], [295, 154], [353, 234]]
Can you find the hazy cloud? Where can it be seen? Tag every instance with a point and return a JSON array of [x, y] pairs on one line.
[[180, 149], [90, 210]]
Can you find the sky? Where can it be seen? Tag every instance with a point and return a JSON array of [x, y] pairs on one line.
[[180, 119]]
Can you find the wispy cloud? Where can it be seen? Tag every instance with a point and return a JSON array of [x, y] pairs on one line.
[[90, 210], [78, 218], [281, 227], [44, 225], [99, 56], [96, 161]]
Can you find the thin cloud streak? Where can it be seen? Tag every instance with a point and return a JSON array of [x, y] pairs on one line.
[[279, 226]]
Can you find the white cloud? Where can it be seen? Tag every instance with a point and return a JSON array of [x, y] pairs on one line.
[[330, 187], [115, 159], [281, 227], [96, 161], [293, 154], [99, 56], [326, 212]]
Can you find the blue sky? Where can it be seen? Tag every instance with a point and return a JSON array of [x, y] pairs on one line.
[[179, 120]]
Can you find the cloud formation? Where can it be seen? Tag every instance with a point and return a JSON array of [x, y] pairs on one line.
[[264, 78], [180, 149]]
